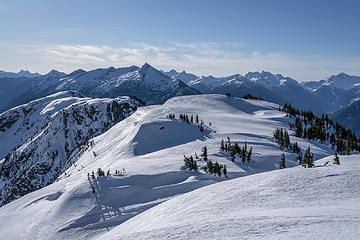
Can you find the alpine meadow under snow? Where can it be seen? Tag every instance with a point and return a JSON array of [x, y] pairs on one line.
[[147, 192]]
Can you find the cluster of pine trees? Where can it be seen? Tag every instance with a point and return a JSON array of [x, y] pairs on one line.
[[190, 163], [282, 138], [249, 96], [171, 116], [234, 150], [306, 161], [99, 173], [215, 168], [308, 125], [192, 119]]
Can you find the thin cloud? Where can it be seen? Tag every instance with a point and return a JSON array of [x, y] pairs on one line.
[[201, 58]]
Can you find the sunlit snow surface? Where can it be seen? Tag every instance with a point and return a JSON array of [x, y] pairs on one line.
[[267, 205]]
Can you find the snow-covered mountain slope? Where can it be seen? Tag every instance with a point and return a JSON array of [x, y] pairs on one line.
[[44, 136], [146, 83], [206, 84], [21, 73], [341, 81], [349, 117], [296, 203], [269, 80], [19, 124], [150, 148], [183, 76]]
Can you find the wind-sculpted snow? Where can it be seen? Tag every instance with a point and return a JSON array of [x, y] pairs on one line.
[[145, 156], [297, 203], [40, 137]]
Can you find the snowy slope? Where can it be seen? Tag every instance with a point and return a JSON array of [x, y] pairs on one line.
[[150, 148], [19, 124], [296, 203], [44, 134]]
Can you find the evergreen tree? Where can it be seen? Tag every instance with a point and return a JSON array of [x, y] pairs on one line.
[[186, 161], [243, 155], [222, 146], [197, 118], [204, 154], [286, 140], [282, 162], [195, 166], [298, 127], [225, 171], [299, 158], [232, 153], [296, 148], [210, 166], [237, 148], [217, 169], [92, 175], [336, 159], [308, 158], [228, 144], [249, 155]]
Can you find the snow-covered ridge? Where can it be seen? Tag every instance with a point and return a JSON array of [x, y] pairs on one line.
[[39, 137], [150, 147], [19, 124]]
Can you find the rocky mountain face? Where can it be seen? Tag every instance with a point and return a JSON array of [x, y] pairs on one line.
[[146, 83], [44, 137]]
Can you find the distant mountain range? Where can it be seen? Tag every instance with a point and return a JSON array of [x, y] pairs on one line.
[[21, 73], [324, 96], [156, 86], [146, 82]]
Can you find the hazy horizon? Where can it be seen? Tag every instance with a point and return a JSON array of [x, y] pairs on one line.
[[304, 40]]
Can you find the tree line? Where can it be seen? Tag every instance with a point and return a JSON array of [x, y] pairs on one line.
[[309, 126]]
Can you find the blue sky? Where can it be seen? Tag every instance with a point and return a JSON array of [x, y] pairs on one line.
[[306, 40]]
